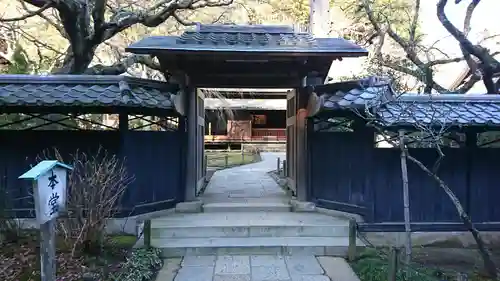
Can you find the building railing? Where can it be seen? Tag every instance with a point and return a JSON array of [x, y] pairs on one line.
[[258, 135], [223, 138], [279, 133]]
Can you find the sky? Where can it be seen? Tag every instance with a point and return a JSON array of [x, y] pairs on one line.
[[485, 17]]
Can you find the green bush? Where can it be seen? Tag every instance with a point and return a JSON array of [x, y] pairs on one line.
[[141, 265]]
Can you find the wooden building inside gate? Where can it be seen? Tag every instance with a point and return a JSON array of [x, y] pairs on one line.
[[240, 121]]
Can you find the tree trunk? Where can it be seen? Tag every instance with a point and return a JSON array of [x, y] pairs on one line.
[[75, 17], [406, 199], [71, 65]]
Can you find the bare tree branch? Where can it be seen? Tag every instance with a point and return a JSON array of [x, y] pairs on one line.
[[426, 75], [468, 16], [452, 60], [47, 5], [414, 24], [182, 21], [488, 64], [419, 61], [474, 78], [123, 65], [87, 24], [57, 26]]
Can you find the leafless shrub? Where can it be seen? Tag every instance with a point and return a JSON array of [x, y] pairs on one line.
[[10, 228], [96, 186]]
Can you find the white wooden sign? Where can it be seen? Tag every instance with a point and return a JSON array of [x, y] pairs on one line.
[[51, 194], [49, 188]]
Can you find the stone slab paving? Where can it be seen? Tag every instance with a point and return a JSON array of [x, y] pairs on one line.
[[243, 268], [169, 269], [256, 268], [337, 269], [247, 182]]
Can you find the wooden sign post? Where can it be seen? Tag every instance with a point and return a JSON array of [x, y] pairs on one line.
[[49, 190]]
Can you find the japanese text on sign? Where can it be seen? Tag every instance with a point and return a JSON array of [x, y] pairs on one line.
[[51, 194]]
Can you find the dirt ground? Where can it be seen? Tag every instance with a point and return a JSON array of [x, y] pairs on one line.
[[19, 260], [454, 259], [444, 252]]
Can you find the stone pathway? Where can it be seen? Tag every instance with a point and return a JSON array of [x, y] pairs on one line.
[[246, 268], [256, 268], [250, 184], [247, 183]]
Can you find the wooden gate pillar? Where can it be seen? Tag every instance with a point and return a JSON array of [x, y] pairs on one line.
[[301, 168], [195, 112], [301, 155], [191, 114], [291, 142], [200, 140]]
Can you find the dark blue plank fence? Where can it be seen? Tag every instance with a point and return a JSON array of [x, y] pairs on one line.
[[156, 160], [153, 158], [349, 174]]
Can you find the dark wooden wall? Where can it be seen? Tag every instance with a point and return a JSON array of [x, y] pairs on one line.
[[348, 173], [153, 157]]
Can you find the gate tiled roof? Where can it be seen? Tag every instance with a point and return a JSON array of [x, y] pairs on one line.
[[391, 109], [84, 90], [452, 109], [247, 38]]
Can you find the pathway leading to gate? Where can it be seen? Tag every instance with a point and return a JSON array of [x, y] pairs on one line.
[[247, 194], [248, 184]]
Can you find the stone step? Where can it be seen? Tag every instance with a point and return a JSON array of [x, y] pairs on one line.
[[246, 219], [246, 207], [217, 198], [255, 224], [252, 231], [321, 246]]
